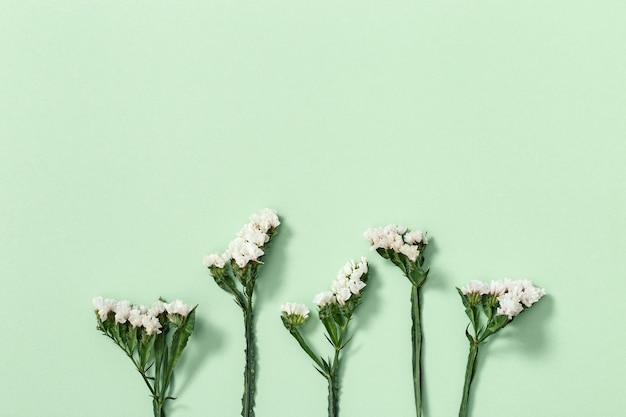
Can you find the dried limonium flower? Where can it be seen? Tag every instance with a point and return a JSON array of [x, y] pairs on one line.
[[491, 307], [236, 271], [335, 310], [152, 337]]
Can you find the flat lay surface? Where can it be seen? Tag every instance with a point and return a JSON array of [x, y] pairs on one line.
[[137, 137]]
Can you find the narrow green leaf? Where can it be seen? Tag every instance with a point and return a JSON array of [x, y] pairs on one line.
[[179, 341]]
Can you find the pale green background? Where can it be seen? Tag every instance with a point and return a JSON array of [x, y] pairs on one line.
[[137, 136]]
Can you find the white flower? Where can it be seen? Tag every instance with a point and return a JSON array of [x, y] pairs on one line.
[[355, 285], [531, 294], [410, 252], [104, 306], [497, 288], [135, 317], [509, 305], [415, 237], [342, 295], [388, 237], [151, 324], [122, 311], [295, 309], [339, 283], [324, 298], [253, 234], [363, 264], [215, 259], [265, 219], [393, 237], [157, 308], [243, 251], [357, 274], [347, 268], [475, 287], [177, 307]]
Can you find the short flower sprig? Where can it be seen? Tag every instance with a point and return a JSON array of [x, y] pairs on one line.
[[406, 250], [236, 271], [490, 308], [335, 310], [152, 337]]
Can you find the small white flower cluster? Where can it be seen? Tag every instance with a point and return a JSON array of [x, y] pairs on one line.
[[139, 316], [247, 245], [348, 283], [295, 309], [513, 295], [396, 238]]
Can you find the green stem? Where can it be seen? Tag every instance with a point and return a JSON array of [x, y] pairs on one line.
[[305, 346], [333, 397], [416, 336], [157, 406], [249, 372], [469, 376]]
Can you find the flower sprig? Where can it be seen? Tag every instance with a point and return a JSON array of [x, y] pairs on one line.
[[236, 271], [405, 249], [490, 308], [335, 310], [152, 337]]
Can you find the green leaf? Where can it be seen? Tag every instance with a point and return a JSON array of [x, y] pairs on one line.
[[179, 341], [466, 302], [132, 339], [145, 348], [468, 335], [382, 252]]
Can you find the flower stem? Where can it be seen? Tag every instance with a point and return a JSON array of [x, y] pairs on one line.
[[249, 372], [416, 336], [157, 406], [333, 394], [469, 376]]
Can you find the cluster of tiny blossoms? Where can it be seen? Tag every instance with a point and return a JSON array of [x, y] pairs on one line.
[[296, 312], [138, 316], [512, 295], [348, 283], [247, 245], [396, 238]]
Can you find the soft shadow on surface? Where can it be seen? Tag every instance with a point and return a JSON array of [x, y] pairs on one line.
[[528, 333], [203, 346]]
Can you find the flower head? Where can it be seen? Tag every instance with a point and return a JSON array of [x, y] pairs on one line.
[[151, 324], [251, 233], [415, 237], [217, 260], [178, 307], [158, 307], [242, 252], [265, 219], [295, 314], [475, 287], [135, 317], [103, 306], [122, 311], [510, 297], [397, 239], [324, 298]]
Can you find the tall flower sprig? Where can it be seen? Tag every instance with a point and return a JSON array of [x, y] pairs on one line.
[[491, 307], [405, 249], [236, 271], [153, 338], [335, 309]]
